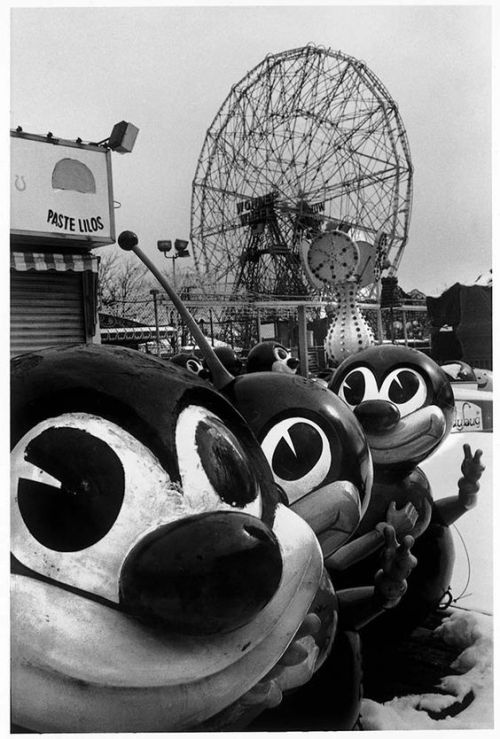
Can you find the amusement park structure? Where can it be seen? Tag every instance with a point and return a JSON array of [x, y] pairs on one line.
[[307, 143]]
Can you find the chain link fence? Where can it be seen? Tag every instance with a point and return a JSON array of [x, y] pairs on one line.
[[157, 327]]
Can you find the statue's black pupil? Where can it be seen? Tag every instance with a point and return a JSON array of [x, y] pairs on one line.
[[354, 388], [294, 463], [404, 387], [225, 463], [80, 510]]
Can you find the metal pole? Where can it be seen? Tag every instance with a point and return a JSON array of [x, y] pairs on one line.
[[211, 325], [154, 293], [128, 241], [173, 323], [405, 333], [380, 325], [303, 353]]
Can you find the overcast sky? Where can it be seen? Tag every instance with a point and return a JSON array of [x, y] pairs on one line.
[[77, 71]]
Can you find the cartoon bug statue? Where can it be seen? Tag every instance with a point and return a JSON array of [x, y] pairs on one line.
[[271, 356], [330, 490], [228, 358], [157, 579], [405, 404], [190, 362]]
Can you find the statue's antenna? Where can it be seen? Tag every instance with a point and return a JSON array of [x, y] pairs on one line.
[[220, 375]]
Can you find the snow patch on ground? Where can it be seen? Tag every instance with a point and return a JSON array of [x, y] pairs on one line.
[[474, 685]]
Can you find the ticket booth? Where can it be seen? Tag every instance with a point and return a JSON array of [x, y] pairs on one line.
[[61, 209]]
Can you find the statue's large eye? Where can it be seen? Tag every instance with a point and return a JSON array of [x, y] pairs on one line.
[[83, 489], [70, 488], [215, 470], [406, 388], [358, 385], [299, 454], [281, 353], [194, 366]]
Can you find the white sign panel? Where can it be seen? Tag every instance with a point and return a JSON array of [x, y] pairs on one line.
[[468, 416], [267, 331], [62, 191]]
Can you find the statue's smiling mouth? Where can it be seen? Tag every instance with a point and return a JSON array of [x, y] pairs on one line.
[[18, 568], [414, 435]]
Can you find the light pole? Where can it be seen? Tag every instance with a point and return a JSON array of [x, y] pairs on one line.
[[181, 250], [154, 293]]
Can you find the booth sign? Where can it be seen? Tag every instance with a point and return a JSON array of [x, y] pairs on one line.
[[61, 192]]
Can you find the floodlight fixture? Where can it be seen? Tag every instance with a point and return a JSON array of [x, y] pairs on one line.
[[122, 138], [164, 246], [181, 250], [181, 247]]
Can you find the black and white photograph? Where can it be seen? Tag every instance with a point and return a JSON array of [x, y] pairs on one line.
[[251, 490]]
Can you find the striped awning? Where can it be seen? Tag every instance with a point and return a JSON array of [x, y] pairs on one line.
[[135, 333], [25, 261]]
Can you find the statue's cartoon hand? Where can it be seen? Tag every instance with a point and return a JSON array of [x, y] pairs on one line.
[[397, 564], [403, 520], [472, 469], [296, 666]]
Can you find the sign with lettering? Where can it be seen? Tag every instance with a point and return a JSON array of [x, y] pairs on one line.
[[60, 190], [256, 210], [468, 416]]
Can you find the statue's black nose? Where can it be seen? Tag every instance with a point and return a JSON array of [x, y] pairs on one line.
[[377, 416], [206, 574]]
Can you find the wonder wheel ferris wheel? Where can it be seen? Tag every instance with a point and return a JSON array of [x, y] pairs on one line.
[[308, 142]]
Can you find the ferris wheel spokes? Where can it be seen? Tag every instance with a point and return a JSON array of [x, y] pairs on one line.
[[315, 132]]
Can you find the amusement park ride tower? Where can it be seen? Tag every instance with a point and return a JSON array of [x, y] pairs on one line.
[[335, 262], [308, 142]]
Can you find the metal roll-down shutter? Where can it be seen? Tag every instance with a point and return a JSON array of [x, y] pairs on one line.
[[48, 307]]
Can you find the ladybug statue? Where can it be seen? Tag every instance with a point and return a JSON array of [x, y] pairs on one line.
[[271, 356], [190, 362], [158, 582], [320, 458], [405, 404], [228, 358]]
